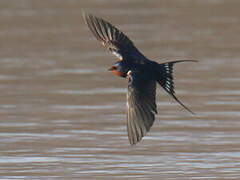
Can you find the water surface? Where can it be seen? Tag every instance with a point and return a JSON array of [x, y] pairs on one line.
[[63, 115]]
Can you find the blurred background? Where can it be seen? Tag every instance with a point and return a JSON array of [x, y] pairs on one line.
[[62, 115]]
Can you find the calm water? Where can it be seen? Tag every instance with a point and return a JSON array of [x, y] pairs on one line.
[[63, 115]]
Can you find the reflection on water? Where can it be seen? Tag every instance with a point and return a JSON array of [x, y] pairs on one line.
[[63, 115]]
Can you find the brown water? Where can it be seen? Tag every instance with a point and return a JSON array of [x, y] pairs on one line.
[[63, 115]]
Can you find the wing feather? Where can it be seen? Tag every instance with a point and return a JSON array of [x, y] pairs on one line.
[[142, 107], [113, 39]]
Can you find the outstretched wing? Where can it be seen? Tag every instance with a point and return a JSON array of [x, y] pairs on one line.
[[141, 106], [165, 79], [113, 39]]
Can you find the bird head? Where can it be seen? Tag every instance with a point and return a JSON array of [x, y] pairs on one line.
[[119, 69]]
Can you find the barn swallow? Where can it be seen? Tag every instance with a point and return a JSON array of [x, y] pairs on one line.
[[142, 75]]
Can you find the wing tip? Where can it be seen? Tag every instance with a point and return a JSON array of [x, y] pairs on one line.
[[134, 142], [88, 18], [85, 16], [92, 23]]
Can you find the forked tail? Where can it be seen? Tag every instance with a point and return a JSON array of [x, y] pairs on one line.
[[166, 79]]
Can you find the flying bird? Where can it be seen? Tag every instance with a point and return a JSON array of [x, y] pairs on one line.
[[142, 75]]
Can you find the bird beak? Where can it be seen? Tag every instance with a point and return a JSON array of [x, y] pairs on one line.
[[111, 68]]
